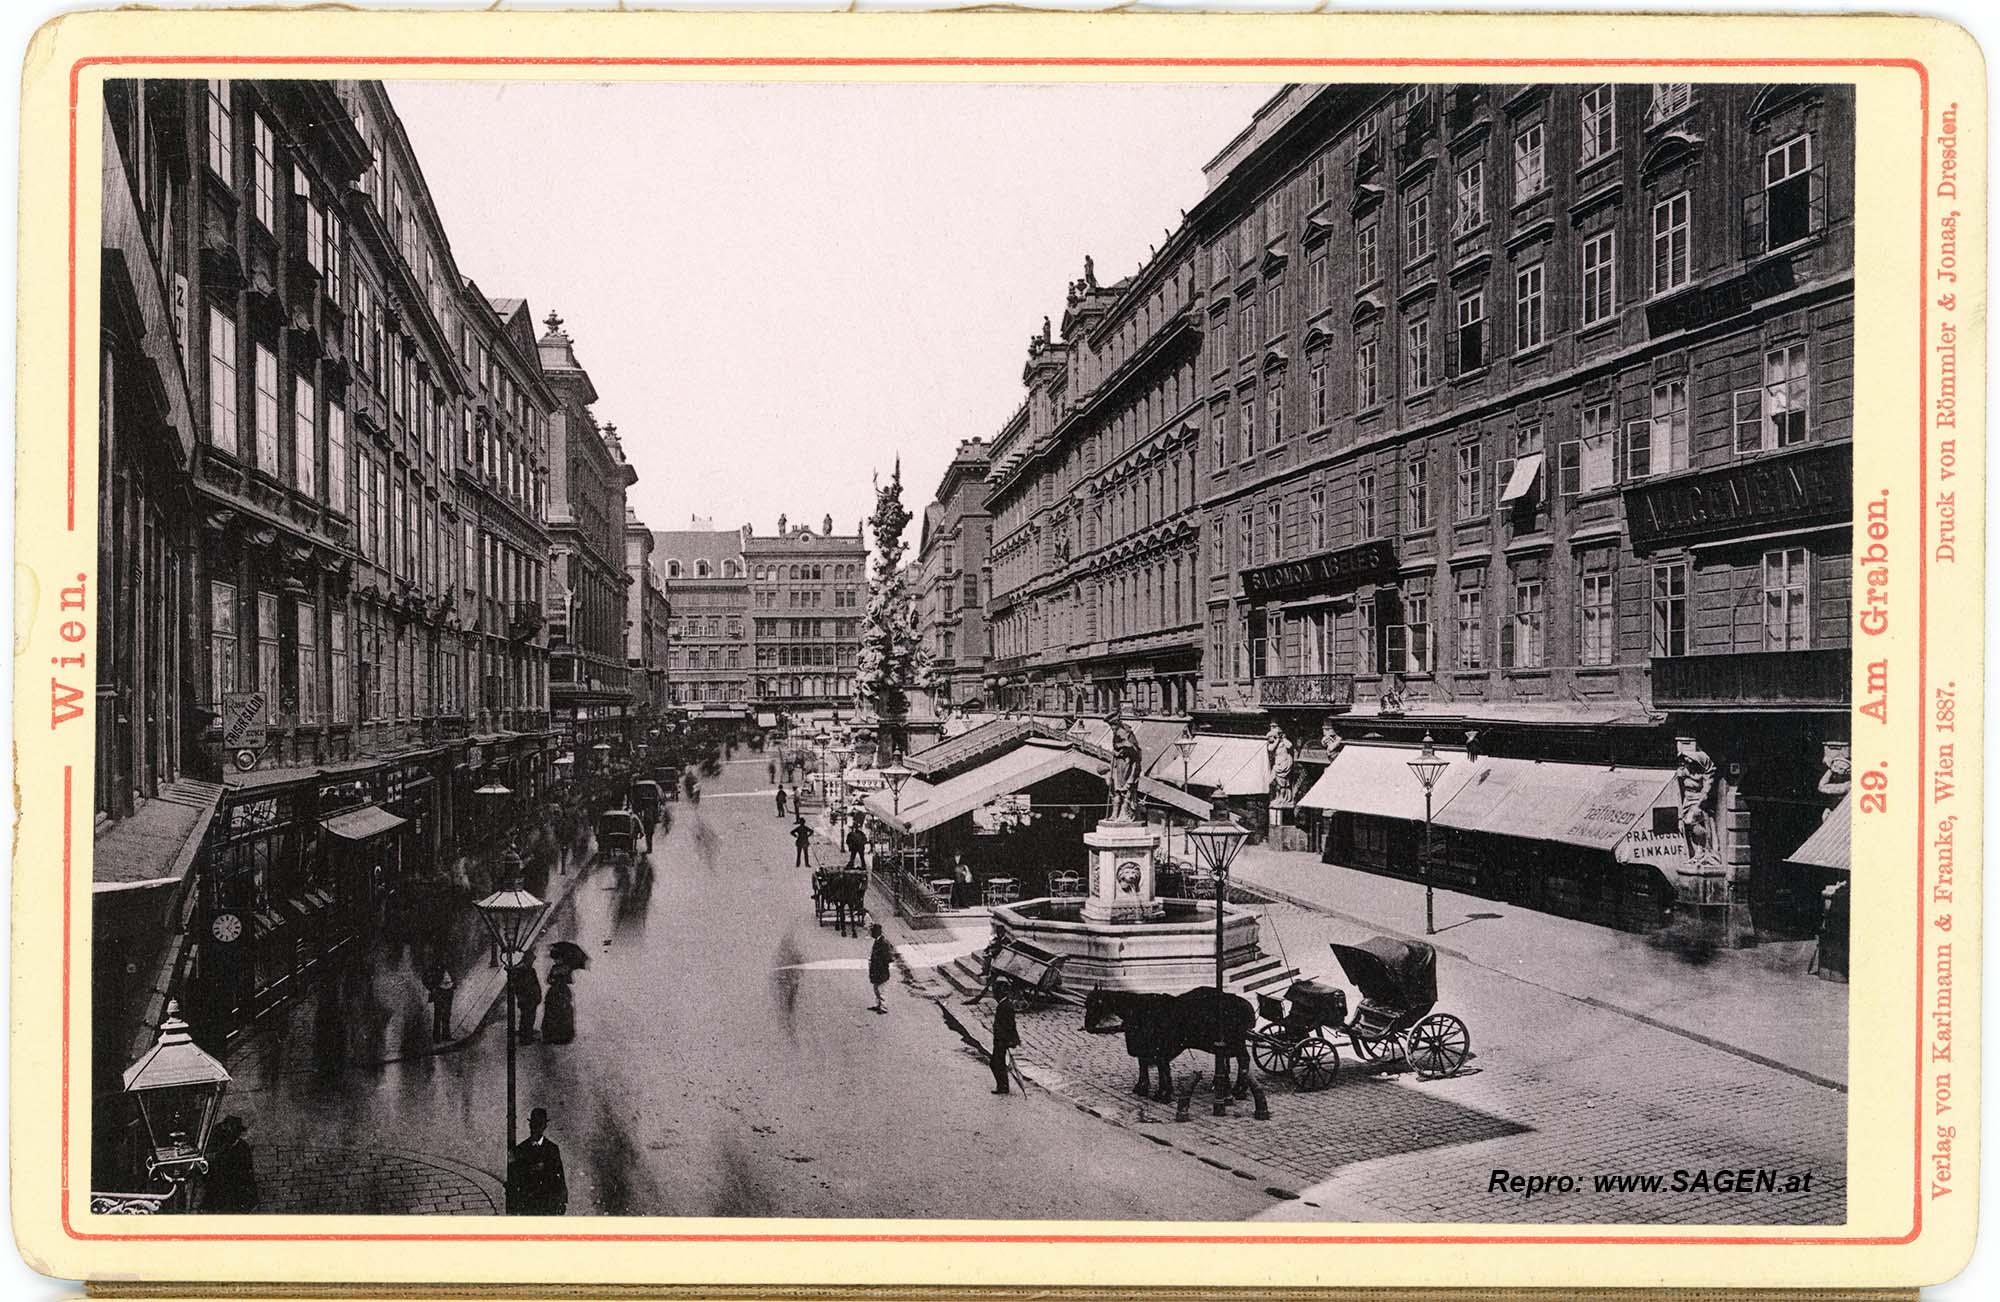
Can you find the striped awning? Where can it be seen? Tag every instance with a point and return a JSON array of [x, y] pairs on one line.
[[1831, 841]]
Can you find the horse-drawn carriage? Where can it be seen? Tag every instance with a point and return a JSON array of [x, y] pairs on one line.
[[1394, 1022], [669, 778], [837, 889], [618, 834]]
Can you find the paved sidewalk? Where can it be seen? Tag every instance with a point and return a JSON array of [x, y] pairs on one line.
[[1760, 1004]]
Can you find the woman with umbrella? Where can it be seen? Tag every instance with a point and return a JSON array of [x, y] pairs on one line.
[[559, 1009]]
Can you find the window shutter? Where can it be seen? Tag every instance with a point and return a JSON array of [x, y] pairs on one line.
[[1816, 199], [1506, 642], [1749, 420], [1636, 432], [1395, 638], [1754, 206]]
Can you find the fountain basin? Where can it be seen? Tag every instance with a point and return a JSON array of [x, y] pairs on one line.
[[1168, 954]]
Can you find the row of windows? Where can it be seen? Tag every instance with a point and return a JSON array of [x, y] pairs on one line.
[[810, 688], [835, 628], [297, 655], [1607, 451], [1397, 632], [706, 626]]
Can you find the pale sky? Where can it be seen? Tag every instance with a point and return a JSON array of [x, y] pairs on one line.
[[777, 289]]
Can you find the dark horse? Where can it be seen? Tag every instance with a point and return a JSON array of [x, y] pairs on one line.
[[1159, 1028]]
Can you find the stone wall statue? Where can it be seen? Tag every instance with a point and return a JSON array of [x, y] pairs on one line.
[[1330, 740], [1694, 773], [1278, 747], [1124, 773], [1837, 759]]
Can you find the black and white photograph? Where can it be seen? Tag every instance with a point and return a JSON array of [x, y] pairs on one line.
[[1012, 651]]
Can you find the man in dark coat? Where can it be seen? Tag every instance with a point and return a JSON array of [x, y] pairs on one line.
[[231, 1183], [527, 995], [1005, 1037], [442, 995], [857, 847], [879, 955], [802, 836], [781, 802], [535, 1182]]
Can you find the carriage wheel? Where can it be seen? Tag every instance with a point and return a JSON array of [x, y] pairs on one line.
[[1271, 1054], [1439, 1046], [1371, 1050], [1315, 1063]]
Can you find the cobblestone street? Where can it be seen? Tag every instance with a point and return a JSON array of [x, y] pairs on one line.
[[1556, 1086]]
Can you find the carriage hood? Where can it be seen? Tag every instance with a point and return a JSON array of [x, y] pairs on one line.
[[1392, 973]]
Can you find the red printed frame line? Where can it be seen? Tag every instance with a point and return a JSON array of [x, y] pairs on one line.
[[414, 62]]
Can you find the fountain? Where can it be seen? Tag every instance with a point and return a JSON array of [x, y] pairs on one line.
[[1121, 935]]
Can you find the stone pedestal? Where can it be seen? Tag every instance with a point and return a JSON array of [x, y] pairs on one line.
[[1121, 874]]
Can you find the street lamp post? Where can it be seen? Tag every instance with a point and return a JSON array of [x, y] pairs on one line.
[[1185, 745], [896, 775], [177, 1087], [510, 914], [1428, 767], [1217, 842]]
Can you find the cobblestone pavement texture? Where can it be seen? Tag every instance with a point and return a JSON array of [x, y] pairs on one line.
[[1761, 1002], [299, 1179], [1556, 1086]]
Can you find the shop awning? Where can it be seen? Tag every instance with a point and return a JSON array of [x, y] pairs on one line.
[[1376, 780], [1831, 841], [767, 721], [1226, 766], [1576, 804], [923, 805], [364, 824], [1522, 482]]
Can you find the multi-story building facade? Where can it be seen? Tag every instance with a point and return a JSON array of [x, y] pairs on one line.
[[709, 653], [948, 580], [1529, 413], [807, 593], [1517, 415], [503, 475], [1094, 553], [646, 614], [589, 700]]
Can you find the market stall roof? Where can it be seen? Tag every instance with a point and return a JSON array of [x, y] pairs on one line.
[[1227, 766], [1376, 780], [1831, 842], [925, 805], [363, 824], [1546, 800]]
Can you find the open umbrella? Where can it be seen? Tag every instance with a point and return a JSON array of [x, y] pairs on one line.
[[569, 954]]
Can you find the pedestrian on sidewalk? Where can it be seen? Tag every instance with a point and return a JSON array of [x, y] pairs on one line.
[[527, 995], [857, 848], [771, 773], [535, 1183], [231, 1185], [802, 836], [879, 955], [443, 991], [559, 1012], [781, 802], [1005, 1038]]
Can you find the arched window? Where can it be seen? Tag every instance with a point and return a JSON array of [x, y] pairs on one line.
[[795, 572], [701, 569], [673, 569], [731, 570]]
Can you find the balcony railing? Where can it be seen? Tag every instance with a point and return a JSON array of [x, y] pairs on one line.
[[1335, 691], [1754, 680]]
